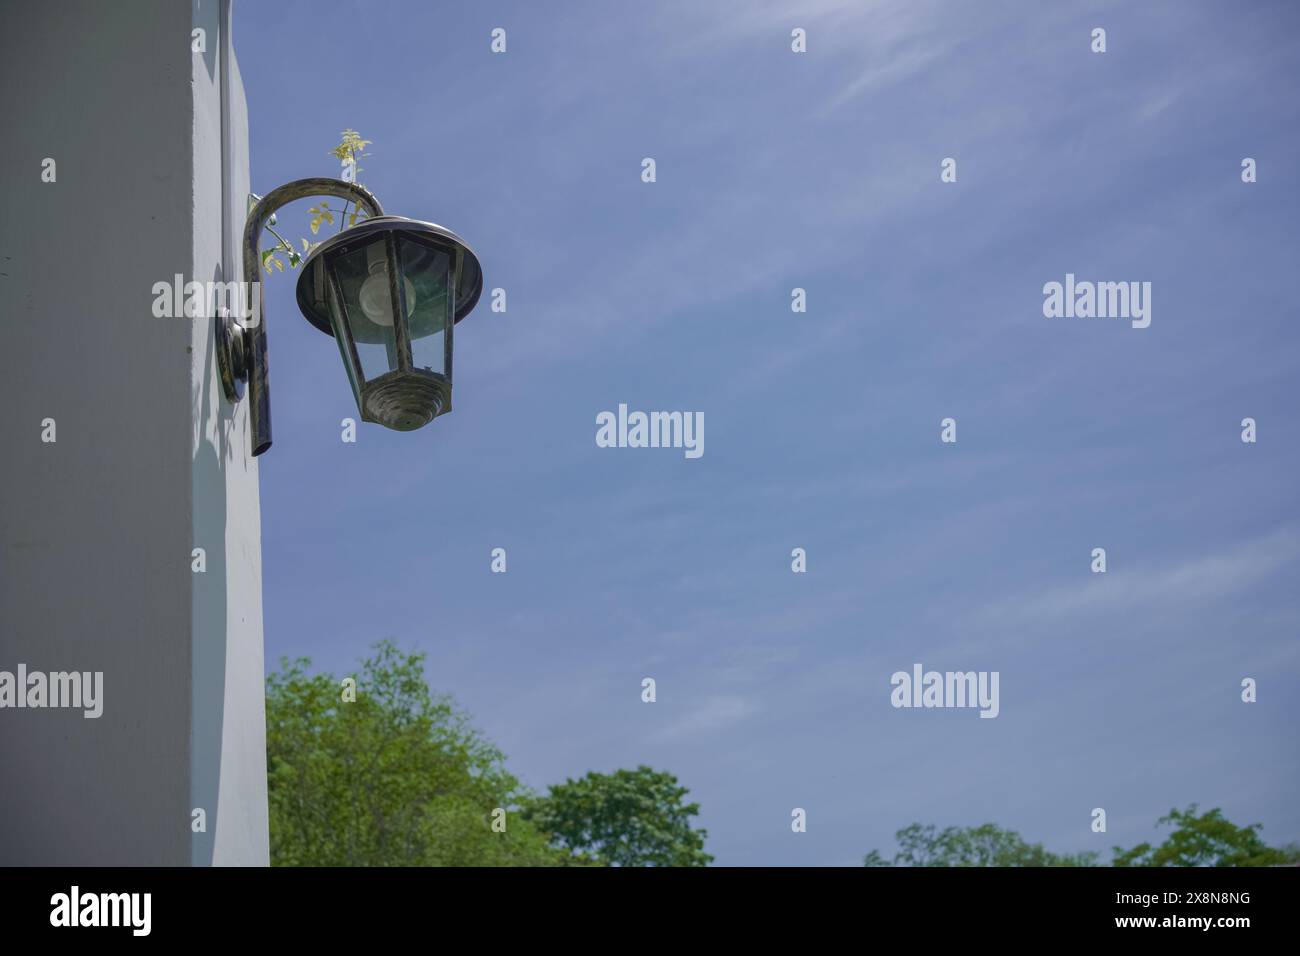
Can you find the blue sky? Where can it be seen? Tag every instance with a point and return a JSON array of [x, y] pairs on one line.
[[819, 171]]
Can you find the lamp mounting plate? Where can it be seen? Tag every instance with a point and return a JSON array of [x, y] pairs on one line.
[[232, 357]]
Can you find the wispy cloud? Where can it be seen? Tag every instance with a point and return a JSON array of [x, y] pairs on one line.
[[1186, 583], [714, 714]]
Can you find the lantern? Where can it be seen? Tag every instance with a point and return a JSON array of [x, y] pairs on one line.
[[391, 290]]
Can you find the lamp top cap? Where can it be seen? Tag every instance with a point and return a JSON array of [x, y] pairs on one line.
[[468, 287]]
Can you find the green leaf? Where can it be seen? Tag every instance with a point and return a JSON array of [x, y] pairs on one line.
[[395, 776]]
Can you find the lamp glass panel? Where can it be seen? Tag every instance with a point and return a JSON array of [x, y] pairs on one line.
[[426, 271], [363, 277], [341, 337]]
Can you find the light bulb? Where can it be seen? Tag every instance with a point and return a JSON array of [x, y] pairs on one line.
[[374, 295]]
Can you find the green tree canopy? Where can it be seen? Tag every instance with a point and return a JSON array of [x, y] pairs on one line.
[[1206, 840], [627, 818], [985, 845], [397, 777]]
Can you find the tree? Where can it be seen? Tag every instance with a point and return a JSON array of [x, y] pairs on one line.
[[395, 777], [985, 845], [627, 818], [1206, 840]]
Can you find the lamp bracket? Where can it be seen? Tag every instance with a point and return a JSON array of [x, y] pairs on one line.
[[241, 352], [232, 357]]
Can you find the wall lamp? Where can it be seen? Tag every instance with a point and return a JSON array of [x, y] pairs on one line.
[[390, 290]]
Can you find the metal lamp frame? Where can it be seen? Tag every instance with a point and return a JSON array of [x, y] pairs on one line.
[[241, 352]]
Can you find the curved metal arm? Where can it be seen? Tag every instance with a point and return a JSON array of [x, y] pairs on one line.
[[291, 192], [259, 394]]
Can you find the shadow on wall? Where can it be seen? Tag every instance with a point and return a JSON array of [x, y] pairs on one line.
[[211, 448]]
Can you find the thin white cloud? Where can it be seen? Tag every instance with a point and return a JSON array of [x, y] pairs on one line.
[[715, 714], [1186, 583], [897, 67]]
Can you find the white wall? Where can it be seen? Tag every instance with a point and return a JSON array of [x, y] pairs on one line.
[[96, 528], [228, 724]]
